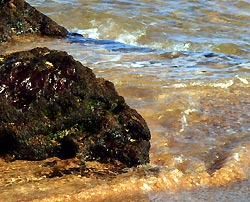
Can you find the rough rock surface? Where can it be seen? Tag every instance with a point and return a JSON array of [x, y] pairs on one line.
[[18, 17], [52, 105]]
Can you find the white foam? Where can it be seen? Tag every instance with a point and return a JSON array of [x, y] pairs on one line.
[[180, 85], [189, 111], [245, 81], [130, 37], [182, 47], [184, 122], [136, 65], [97, 32], [236, 156], [226, 84], [72, 2], [88, 33]]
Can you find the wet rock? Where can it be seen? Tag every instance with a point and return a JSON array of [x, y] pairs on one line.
[[18, 17], [52, 105]]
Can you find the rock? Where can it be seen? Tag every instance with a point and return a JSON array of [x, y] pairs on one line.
[[18, 17], [52, 105]]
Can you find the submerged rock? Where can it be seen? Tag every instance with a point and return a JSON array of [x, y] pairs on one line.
[[52, 105], [18, 17]]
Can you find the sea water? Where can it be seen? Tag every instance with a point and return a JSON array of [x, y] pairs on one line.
[[185, 67]]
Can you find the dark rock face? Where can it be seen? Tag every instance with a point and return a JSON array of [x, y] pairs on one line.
[[51, 105], [18, 17]]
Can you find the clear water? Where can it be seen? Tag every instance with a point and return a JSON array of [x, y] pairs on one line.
[[184, 65]]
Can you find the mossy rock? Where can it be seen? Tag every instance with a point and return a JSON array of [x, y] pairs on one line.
[[52, 105], [18, 17]]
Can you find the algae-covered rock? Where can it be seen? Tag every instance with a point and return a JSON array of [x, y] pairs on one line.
[[18, 17], [52, 105]]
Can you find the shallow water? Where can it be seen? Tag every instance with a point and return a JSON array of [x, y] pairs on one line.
[[184, 65]]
